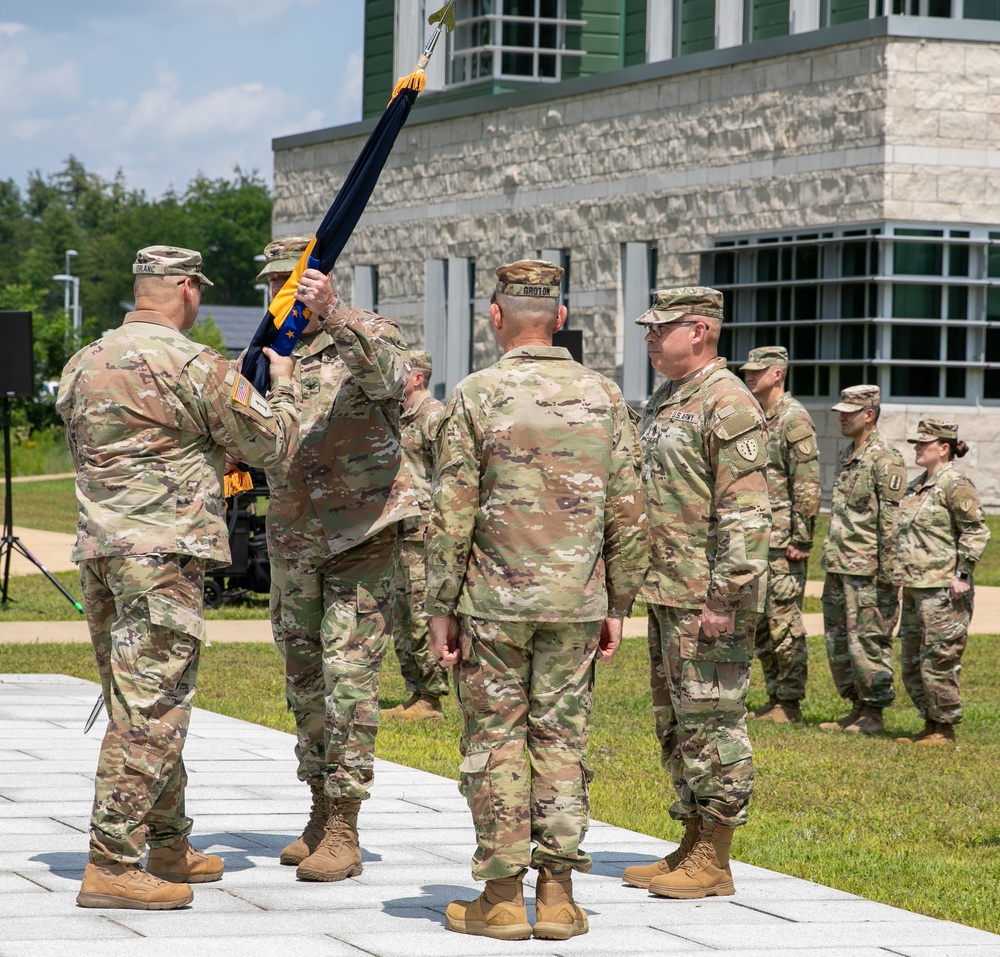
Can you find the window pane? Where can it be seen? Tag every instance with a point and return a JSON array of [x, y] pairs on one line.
[[857, 300], [822, 380], [958, 260], [991, 384], [916, 342], [724, 268], [802, 380], [993, 345], [916, 302], [955, 383], [917, 259], [518, 64], [767, 305], [807, 262], [767, 265], [956, 344], [914, 381], [804, 345], [854, 260], [518, 34], [806, 303], [854, 342], [546, 64], [993, 304], [549, 8], [958, 302], [851, 375]]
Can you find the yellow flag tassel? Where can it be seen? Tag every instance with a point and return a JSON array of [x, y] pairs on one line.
[[238, 481], [417, 80]]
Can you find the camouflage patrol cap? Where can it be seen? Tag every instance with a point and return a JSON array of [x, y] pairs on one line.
[[421, 359], [169, 261], [672, 305], [529, 277], [858, 397], [764, 357], [930, 430], [282, 255]]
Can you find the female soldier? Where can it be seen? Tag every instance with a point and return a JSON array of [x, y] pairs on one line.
[[942, 535]]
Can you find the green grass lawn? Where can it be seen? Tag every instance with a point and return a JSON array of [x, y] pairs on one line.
[[914, 828]]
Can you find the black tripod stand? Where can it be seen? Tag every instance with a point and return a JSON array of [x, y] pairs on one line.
[[10, 542]]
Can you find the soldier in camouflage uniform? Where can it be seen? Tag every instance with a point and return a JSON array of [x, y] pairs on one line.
[[861, 591], [942, 534], [332, 538], [704, 446], [425, 679], [149, 416], [536, 548], [793, 488]]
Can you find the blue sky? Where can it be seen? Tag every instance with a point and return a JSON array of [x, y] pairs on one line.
[[166, 89]]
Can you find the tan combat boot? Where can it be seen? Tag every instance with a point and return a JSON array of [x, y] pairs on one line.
[[868, 722], [308, 841], [338, 855], [557, 915], [927, 729], [129, 886], [182, 864], [426, 706], [640, 875], [942, 735], [498, 912], [705, 871], [400, 708], [845, 721], [784, 712], [766, 709]]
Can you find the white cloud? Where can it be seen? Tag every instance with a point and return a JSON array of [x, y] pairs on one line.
[[348, 103], [29, 129], [29, 83], [11, 29], [229, 15]]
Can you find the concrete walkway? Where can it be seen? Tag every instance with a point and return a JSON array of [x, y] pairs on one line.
[[417, 842]]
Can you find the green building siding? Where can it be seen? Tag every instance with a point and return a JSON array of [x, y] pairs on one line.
[[769, 19], [380, 19], [697, 26], [843, 11], [635, 32]]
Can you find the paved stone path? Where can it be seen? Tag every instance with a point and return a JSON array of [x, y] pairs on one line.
[[417, 841]]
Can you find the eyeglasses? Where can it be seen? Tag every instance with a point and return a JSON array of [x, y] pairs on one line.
[[660, 329]]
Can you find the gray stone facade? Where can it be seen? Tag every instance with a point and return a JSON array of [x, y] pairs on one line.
[[781, 135]]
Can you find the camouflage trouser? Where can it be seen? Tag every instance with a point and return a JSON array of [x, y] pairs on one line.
[[145, 618], [526, 691], [781, 636], [859, 616], [699, 687], [933, 632], [410, 632], [331, 622]]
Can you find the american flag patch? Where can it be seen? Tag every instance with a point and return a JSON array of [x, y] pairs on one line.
[[241, 391]]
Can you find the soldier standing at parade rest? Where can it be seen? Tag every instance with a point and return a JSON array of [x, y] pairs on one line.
[[942, 535], [793, 489], [861, 591], [536, 549], [704, 448], [149, 416], [332, 521], [425, 679]]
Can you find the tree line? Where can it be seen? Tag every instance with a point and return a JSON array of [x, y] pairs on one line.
[[228, 220]]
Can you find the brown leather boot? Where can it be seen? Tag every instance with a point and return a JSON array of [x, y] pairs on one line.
[[426, 706], [784, 712], [639, 875], [845, 721], [765, 709], [338, 855], [705, 871], [927, 729], [557, 915], [182, 864], [400, 708], [943, 735], [308, 841], [129, 886], [498, 912], [868, 722]]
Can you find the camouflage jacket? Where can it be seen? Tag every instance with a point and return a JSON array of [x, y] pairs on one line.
[[538, 509], [419, 425], [863, 512], [149, 416], [941, 529], [704, 448], [792, 474], [345, 479]]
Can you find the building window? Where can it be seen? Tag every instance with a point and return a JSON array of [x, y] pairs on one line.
[[449, 312], [638, 275], [509, 39], [366, 288], [913, 309]]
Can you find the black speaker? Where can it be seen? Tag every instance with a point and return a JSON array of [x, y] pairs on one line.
[[17, 356], [571, 339]]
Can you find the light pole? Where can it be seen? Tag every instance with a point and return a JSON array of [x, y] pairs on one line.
[[77, 316], [70, 253], [266, 289]]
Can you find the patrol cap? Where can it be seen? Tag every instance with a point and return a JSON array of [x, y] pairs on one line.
[[283, 255], [764, 357], [858, 397], [169, 261], [421, 359], [672, 305], [930, 430], [529, 277]]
